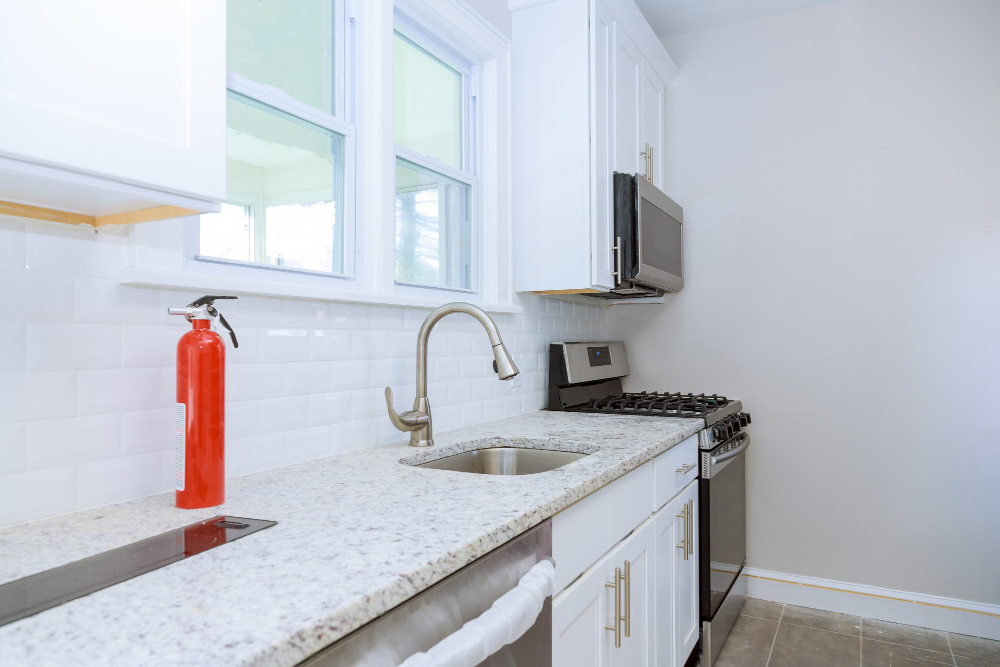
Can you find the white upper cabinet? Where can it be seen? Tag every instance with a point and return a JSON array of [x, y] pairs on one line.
[[651, 134], [112, 106], [588, 83]]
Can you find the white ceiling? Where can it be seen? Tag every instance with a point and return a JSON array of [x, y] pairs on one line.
[[678, 17]]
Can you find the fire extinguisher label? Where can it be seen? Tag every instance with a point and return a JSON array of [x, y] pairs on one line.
[[180, 421]]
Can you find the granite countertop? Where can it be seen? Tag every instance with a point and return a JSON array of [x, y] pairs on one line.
[[357, 534]]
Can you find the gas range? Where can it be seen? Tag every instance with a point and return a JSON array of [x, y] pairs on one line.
[[586, 377]]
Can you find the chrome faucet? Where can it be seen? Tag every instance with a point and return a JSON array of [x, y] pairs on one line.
[[418, 420]]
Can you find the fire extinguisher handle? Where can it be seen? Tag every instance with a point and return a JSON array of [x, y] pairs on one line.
[[232, 334]]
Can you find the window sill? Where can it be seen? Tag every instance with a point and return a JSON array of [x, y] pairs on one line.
[[132, 276]]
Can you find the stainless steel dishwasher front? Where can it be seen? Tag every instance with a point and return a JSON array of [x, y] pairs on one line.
[[427, 618]]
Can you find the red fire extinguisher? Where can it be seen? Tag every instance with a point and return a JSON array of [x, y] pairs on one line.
[[200, 418]]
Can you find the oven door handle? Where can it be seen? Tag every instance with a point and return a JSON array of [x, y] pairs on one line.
[[745, 437]]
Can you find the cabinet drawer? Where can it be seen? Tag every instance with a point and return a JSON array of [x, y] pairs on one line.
[[631, 499], [580, 536], [669, 482]]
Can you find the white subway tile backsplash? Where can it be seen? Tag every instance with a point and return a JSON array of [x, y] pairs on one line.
[[353, 374], [12, 245], [150, 344], [148, 430], [13, 457], [492, 409], [472, 413], [87, 373], [117, 479], [459, 343], [386, 318], [37, 493], [368, 403], [53, 346], [74, 252], [348, 316], [36, 395], [309, 377], [443, 369], [241, 419], [13, 346], [307, 444], [55, 442], [261, 452], [118, 390], [307, 314], [104, 300], [253, 312], [386, 372], [37, 297], [329, 408], [329, 344], [283, 344], [483, 388], [282, 414], [459, 391], [371, 344], [352, 435]]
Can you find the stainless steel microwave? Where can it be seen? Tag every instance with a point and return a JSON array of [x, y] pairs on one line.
[[649, 238]]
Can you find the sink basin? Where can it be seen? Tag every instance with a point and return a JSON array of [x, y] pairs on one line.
[[504, 461]]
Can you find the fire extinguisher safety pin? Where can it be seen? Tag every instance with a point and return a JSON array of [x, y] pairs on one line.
[[204, 309]]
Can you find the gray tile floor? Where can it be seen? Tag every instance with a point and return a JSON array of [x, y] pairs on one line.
[[769, 634]]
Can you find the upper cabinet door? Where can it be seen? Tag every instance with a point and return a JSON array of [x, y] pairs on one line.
[[652, 125], [602, 26], [627, 86], [130, 92]]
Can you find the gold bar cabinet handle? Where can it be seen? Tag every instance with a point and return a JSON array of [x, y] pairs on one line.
[[628, 600], [684, 540], [616, 628], [690, 527]]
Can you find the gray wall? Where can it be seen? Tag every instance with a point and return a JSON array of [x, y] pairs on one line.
[[839, 169], [494, 11]]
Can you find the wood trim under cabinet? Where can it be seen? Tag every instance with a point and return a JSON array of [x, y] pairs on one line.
[[570, 291], [126, 218]]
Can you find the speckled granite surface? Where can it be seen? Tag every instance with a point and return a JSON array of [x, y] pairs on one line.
[[357, 534]]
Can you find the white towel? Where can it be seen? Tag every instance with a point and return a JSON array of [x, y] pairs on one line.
[[503, 623]]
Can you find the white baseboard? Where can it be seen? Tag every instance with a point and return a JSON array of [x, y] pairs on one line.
[[928, 611]]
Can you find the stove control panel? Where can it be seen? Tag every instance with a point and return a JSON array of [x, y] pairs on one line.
[[724, 430]]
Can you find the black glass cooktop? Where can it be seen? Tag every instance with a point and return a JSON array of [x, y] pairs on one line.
[[24, 597]]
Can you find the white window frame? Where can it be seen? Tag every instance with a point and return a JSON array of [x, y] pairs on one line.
[[471, 77], [162, 255]]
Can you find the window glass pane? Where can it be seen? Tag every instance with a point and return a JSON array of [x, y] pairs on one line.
[[427, 103], [432, 228], [286, 44], [287, 175], [226, 234]]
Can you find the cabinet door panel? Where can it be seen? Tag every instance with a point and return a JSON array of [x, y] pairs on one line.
[[579, 638], [666, 545], [602, 202], [636, 649], [628, 76], [652, 122], [686, 610], [134, 91]]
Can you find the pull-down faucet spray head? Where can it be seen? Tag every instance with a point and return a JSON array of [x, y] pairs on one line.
[[503, 365]]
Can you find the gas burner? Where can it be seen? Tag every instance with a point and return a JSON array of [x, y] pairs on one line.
[[655, 403]]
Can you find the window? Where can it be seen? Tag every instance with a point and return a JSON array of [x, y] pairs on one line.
[[286, 151], [435, 181]]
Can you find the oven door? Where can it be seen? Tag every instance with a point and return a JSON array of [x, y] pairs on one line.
[[722, 492]]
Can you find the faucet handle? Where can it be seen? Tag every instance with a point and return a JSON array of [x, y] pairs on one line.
[[410, 420]]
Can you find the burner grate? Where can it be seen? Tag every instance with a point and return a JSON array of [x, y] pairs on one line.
[[656, 403]]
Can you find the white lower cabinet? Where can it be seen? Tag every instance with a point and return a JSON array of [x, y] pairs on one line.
[[583, 615], [657, 580], [676, 578]]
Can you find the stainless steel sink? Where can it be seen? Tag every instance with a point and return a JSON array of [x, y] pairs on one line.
[[504, 461]]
